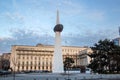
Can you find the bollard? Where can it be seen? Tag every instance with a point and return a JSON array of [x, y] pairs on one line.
[[68, 79], [84, 77], [91, 77], [75, 78], [57, 79]]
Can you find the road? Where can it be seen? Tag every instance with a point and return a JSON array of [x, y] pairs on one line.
[[51, 76]]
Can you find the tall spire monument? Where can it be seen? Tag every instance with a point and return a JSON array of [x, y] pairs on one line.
[[57, 56]]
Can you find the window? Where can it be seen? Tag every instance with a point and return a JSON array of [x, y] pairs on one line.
[[18, 67], [22, 67], [35, 67], [39, 67], [42, 63], [46, 63], [27, 57], [46, 67], [35, 58], [50, 66], [27, 63], [31, 63], [39, 64], [19, 57], [18, 63], [50, 63], [23, 57], [27, 67], [23, 63], [42, 67]]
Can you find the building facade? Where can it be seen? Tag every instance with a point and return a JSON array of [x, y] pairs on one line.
[[84, 58], [39, 57], [0, 61], [5, 61], [117, 41]]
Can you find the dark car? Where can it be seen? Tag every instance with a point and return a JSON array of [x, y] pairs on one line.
[[4, 72]]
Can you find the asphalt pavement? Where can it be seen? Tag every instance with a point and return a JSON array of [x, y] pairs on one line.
[[56, 76]]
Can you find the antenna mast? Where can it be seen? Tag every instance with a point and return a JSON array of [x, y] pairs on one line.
[[57, 21]]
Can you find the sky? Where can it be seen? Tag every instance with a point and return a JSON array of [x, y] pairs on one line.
[[29, 22]]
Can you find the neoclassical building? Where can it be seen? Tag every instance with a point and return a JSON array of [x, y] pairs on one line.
[[39, 57], [0, 61]]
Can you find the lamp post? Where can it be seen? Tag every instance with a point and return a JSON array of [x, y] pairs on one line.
[[14, 68], [68, 75], [76, 60]]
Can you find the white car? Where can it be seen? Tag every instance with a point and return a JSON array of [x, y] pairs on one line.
[[88, 70]]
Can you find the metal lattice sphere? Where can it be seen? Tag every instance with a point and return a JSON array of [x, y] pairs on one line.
[[58, 28]]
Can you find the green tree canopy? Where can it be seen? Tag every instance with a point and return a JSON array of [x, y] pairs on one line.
[[105, 57], [68, 62]]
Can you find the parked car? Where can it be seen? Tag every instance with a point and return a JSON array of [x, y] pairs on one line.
[[4, 72], [45, 71], [88, 70]]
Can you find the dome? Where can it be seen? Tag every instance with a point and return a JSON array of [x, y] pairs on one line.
[[58, 28]]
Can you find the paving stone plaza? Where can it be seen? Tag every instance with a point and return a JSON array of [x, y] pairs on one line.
[[52, 76]]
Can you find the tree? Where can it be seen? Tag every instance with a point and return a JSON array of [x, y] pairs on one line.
[[5, 64], [68, 63], [116, 59], [105, 56]]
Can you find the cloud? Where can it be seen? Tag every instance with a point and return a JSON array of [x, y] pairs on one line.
[[95, 15], [23, 37], [15, 16], [29, 37], [88, 38], [83, 21]]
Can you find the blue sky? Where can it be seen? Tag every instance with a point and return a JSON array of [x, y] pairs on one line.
[[28, 22]]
